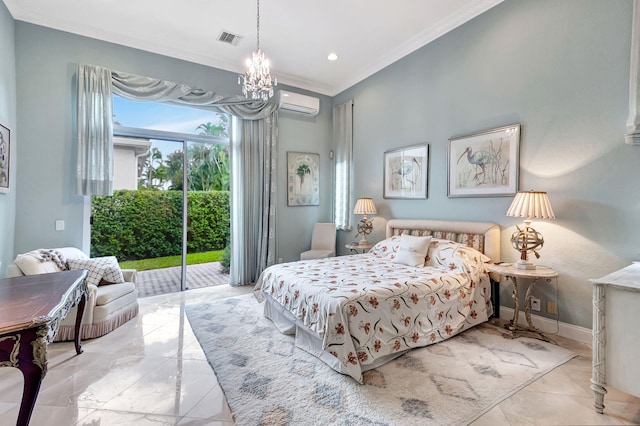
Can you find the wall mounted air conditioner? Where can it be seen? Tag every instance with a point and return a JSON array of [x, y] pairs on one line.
[[301, 104]]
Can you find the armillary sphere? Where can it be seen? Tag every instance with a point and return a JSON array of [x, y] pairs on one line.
[[364, 227], [525, 240]]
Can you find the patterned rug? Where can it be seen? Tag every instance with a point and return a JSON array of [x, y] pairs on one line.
[[267, 380]]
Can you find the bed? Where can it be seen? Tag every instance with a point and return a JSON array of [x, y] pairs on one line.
[[358, 312]]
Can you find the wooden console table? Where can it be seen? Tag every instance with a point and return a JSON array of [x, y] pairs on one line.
[[32, 308], [616, 336]]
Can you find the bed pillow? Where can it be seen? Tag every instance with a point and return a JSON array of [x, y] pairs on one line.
[[387, 248], [102, 270], [413, 250], [449, 255]]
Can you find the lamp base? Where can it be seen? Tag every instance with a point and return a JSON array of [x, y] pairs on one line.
[[525, 264], [363, 241]]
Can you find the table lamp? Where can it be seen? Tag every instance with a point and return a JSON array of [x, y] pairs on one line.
[[364, 206], [529, 204]]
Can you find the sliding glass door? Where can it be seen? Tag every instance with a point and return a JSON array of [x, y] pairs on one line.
[[169, 216]]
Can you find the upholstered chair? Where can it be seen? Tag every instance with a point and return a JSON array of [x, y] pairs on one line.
[[111, 301], [323, 242]]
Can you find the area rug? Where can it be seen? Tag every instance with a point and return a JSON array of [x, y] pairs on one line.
[[267, 380]]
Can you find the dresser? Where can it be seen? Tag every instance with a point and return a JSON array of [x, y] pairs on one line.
[[616, 333]]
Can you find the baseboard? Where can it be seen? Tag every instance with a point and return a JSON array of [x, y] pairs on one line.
[[551, 326]]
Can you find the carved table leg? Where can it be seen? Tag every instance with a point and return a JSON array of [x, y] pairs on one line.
[[78, 327], [516, 304], [30, 364], [527, 305], [598, 379]]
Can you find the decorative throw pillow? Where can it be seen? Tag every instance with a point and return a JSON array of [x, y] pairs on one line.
[[413, 250], [32, 264], [102, 270]]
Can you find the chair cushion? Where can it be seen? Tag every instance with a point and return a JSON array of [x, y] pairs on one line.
[[108, 293], [100, 268], [315, 254]]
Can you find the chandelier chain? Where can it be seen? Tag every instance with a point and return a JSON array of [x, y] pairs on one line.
[[258, 25]]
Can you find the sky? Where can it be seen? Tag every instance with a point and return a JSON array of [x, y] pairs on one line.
[[161, 116]]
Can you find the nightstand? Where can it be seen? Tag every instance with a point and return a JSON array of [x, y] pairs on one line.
[[358, 246], [511, 272]]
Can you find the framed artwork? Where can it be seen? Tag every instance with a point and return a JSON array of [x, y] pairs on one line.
[[406, 171], [303, 179], [5, 158], [484, 164]]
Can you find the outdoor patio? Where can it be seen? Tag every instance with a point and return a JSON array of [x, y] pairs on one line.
[[167, 280]]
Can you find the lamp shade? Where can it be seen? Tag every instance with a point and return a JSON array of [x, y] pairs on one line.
[[365, 206], [531, 204]]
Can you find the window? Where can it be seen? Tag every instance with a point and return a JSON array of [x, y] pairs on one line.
[[148, 137]]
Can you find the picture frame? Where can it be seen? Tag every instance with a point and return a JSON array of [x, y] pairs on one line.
[[484, 164], [5, 157], [406, 172], [303, 179]]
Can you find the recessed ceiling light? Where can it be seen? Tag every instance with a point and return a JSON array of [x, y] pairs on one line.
[[332, 57]]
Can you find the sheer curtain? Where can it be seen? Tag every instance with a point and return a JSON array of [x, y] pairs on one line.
[[343, 140], [253, 188], [255, 163], [94, 171]]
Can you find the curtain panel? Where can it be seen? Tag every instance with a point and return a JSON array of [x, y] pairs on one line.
[[253, 187], [94, 171], [343, 141], [253, 166]]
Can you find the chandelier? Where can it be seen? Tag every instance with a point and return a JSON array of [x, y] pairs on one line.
[[256, 82]]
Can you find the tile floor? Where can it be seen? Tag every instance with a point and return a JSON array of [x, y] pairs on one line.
[[152, 371]]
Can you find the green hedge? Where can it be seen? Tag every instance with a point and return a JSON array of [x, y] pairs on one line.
[[145, 224]]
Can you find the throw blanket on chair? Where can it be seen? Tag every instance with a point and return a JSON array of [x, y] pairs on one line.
[[55, 256]]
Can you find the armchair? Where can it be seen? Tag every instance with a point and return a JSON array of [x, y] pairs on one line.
[[108, 306], [323, 242]]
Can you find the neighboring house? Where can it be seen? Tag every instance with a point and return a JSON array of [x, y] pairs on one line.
[[128, 156]]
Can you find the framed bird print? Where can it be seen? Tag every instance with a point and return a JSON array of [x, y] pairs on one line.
[[484, 164], [406, 172]]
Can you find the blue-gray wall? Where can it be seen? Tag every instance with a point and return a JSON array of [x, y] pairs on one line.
[[559, 68], [8, 116], [46, 63]]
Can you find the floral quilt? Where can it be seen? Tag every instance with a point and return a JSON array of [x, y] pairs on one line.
[[367, 306]]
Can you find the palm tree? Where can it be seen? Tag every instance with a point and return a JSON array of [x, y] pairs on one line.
[[219, 129], [154, 174]]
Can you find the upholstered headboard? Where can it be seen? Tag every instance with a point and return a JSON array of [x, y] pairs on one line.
[[483, 236]]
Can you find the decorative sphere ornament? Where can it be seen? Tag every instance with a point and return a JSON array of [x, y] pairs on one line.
[[364, 227], [525, 240]]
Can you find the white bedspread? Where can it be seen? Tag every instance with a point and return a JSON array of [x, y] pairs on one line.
[[367, 307]]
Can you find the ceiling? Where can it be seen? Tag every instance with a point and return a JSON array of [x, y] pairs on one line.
[[295, 35]]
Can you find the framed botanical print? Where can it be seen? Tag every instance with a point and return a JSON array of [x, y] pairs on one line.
[[484, 164], [406, 172], [303, 179]]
